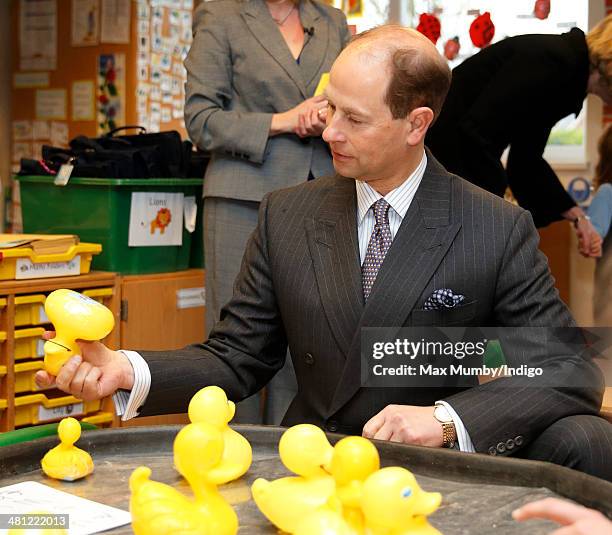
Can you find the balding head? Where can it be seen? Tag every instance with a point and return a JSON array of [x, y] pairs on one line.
[[418, 74]]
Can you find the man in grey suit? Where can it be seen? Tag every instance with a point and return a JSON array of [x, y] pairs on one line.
[[336, 255]]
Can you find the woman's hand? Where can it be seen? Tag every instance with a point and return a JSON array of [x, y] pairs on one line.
[[311, 123], [303, 120]]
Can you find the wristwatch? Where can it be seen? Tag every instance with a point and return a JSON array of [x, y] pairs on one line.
[[577, 219], [449, 433]]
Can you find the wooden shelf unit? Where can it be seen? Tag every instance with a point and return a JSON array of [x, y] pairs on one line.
[[10, 290], [147, 317]]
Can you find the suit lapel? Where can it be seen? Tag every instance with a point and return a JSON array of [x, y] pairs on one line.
[[334, 249], [264, 29], [315, 45], [422, 241]]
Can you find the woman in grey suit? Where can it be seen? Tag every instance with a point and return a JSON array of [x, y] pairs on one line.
[[252, 71]]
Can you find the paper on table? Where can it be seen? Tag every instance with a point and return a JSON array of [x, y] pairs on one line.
[[85, 516]]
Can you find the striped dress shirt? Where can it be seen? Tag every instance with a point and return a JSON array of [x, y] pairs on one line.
[[399, 199]]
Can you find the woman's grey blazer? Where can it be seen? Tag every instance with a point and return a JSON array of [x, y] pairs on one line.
[[240, 72]]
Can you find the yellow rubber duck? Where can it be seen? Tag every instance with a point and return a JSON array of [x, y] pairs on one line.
[[393, 503], [66, 461], [210, 405], [354, 460], [158, 509], [74, 316], [286, 502], [325, 522]]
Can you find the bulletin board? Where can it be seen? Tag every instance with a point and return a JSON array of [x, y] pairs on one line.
[[115, 77]]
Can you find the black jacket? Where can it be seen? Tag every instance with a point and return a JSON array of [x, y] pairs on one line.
[[300, 284], [512, 93]]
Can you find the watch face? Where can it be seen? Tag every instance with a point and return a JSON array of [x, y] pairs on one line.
[[441, 414]]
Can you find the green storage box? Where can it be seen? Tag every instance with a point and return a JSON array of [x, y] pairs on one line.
[[98, 210]]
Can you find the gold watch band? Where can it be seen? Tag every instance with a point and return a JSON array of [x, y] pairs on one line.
[[449, 434]]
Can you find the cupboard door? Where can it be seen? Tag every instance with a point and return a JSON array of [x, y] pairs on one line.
[[162, 311]]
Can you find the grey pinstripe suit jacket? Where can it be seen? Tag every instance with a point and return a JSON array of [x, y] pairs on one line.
[[301, 282], [240, 72]]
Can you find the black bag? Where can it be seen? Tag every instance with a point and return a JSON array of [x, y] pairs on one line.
[[162, 152], [158, 155]]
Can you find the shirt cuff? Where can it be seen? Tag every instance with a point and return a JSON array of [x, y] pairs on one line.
[[128, 403], [463, 437]]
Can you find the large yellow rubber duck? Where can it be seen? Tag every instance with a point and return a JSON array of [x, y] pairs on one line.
[[325, 522], [210, 405], [354, 460], [66, 461], [158, 509], [286, 502], [74, 316], [393, 503]]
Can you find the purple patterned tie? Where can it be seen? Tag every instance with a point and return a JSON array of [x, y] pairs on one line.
[[379, 244]]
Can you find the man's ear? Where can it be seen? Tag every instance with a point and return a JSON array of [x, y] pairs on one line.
[[419, 119]]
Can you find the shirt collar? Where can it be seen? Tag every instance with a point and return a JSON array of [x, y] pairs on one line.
[[399, 198]]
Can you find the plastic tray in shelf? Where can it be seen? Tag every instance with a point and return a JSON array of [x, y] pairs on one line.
[[23, 263], [37, 408], [101, 418], [29, 344], [24, 376], [30, 310], [99, 294]]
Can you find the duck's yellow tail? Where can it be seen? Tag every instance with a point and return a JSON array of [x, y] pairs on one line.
[[139, 477]]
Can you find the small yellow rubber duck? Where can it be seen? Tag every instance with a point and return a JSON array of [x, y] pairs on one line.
[[66, 461], [393, 503], [74, 316], [158, 509], [354, 460], [210, 405], [288, 501]]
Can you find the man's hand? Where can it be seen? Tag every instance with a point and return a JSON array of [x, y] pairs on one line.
[[577, 520], [407, 424], [96, 373]]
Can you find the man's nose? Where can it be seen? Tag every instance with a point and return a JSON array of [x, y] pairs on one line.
[[332, 132]]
